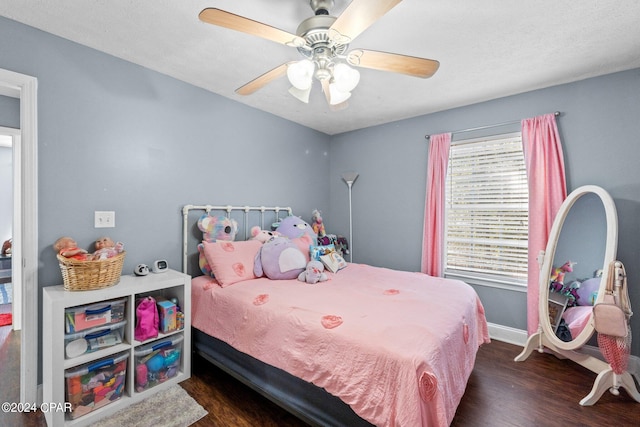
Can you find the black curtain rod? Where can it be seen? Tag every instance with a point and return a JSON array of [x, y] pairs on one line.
[[557, 113]]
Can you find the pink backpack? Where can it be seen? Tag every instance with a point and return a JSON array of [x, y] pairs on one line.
[[146, 319]]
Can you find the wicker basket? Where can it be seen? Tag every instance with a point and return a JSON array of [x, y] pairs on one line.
[[90, 275]]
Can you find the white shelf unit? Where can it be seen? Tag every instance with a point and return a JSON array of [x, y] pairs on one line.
[[169, 284]]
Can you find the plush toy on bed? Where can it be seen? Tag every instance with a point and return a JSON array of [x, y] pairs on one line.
[[262, 235], [279, 259], [293, 226], [217, 227], [214, 228], [314, 273]]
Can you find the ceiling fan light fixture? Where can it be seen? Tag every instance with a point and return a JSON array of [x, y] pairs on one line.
[[301, 94], [323, 40], [337, 96], [345, 78], [300, 74]]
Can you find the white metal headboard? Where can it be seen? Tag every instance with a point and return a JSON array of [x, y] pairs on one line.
[[227, 209]]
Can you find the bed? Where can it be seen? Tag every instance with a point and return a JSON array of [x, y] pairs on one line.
[[368, 346]]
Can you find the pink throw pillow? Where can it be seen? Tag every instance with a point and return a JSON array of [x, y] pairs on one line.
[[231, 262], [304, 243]]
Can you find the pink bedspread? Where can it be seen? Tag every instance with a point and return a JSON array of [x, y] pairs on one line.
[[398, 347]]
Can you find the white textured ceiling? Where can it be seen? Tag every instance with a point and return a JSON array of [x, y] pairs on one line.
[[487, 49]]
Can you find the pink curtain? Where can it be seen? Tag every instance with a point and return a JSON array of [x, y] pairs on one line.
[[433, 231], [547, 190]]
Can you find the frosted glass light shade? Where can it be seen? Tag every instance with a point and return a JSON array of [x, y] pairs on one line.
[[300, 74], [337, 96], [345, 78], [302, 95]]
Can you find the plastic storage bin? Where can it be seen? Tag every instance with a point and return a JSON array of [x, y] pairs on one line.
[[93, 339], [96, 384], [90, 316], [157, 362]]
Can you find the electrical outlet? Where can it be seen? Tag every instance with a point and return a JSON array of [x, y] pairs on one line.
[[105, 219]]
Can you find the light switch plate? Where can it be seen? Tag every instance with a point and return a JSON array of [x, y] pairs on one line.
[[105, 219]]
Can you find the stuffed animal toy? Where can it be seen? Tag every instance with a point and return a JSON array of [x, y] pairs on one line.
[[279, 259], [314, 273], [557, 283], [293, 226], [262, 235], [317, 224], [216, 228], [202, 261], [558, 273], [588, 291]]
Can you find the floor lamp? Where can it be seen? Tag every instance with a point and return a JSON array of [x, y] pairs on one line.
[[350, 178]]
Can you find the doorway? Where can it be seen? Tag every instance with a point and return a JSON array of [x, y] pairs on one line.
[[10, 183], [25, 226]]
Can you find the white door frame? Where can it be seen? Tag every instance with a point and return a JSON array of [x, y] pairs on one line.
[[25, 226]]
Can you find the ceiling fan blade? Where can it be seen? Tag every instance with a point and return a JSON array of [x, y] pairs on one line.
[[229, 20], [263, 80], [383, 61], [360, 15], [325, 90]]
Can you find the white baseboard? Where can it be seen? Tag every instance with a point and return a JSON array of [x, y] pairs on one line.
[[507, 334], [519, 337]]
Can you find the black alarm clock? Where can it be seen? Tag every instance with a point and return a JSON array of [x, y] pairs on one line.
[[160, 266]]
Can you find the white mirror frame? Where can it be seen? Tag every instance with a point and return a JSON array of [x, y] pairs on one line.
[[544, 337], [610, 254]]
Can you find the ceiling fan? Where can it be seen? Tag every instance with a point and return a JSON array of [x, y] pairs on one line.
[[323, 40]]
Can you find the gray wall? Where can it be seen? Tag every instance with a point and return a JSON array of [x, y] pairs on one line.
[[116, 136], [9, 112], [599, 127]]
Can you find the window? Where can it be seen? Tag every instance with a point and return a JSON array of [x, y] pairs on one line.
[[487, 211]]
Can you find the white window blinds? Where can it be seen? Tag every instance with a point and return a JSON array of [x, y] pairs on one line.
[[487, 210]]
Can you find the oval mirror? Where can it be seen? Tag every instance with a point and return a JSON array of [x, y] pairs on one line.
[[582, 243]]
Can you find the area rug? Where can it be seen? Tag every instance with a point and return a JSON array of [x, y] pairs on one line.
[[172, 407], [6, 293], [5, 319]]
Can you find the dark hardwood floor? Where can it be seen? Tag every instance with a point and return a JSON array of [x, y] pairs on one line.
[[541, 391]]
